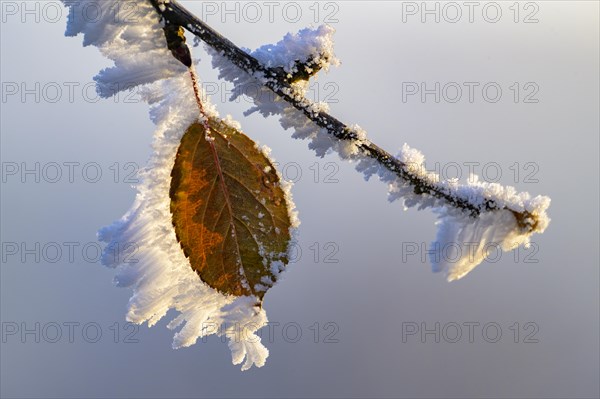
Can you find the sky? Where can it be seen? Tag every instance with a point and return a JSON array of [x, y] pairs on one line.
[[359, 312]]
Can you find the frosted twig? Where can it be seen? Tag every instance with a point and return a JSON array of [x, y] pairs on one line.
[[279, 82]]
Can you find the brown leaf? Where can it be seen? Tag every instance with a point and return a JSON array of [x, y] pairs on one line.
[[229, 211]]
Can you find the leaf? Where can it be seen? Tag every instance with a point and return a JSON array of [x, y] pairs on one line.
[[229, 211], [176, 42]]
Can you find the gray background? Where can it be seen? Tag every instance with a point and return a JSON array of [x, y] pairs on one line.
[[371, 291]]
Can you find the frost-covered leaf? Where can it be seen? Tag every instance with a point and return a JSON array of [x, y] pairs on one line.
[[229, 210]]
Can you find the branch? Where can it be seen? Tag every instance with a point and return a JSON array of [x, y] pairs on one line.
[[279, 82]]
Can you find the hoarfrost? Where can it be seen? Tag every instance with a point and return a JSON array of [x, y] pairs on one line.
[[455, 225]]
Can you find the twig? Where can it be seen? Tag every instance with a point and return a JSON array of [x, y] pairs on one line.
[[277, 81]]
